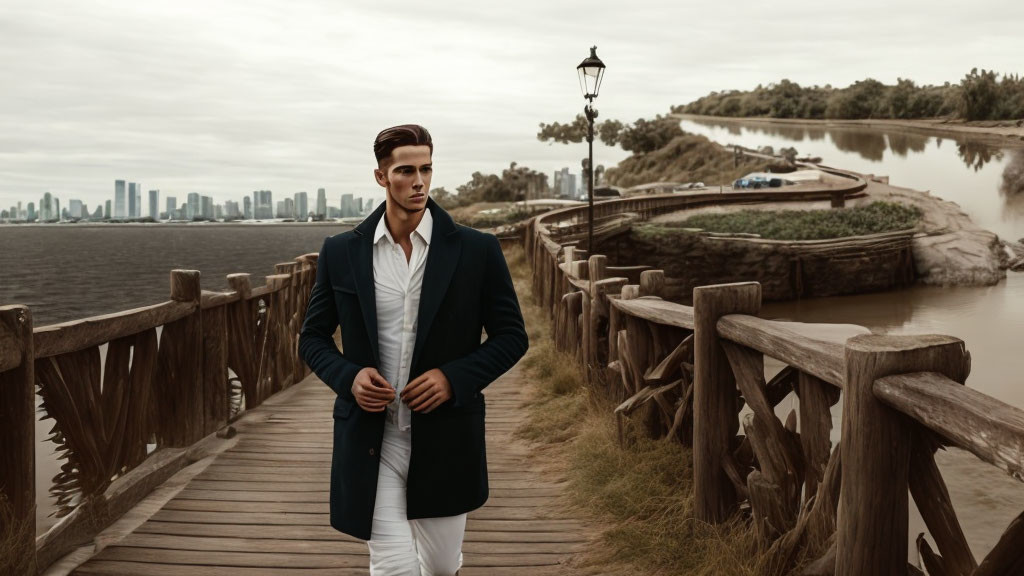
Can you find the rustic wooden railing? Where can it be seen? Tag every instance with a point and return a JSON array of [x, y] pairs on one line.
[[695, 374], [125, 421]]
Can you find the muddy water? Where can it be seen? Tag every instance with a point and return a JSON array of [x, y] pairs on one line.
[[70, 272], [984, 181]]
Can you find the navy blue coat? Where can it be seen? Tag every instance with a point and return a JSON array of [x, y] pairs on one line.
[[466, 287]]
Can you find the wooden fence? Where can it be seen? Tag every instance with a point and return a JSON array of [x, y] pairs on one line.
[[124, 422], [689, 372]]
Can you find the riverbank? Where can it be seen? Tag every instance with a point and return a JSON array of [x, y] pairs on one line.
[[1009, 133]]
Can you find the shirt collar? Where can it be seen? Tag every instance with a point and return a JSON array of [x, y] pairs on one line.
[[424, 229]]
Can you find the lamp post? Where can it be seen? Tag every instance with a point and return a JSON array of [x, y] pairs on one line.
[[591, 71]]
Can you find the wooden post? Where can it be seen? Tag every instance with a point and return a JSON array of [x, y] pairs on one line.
[[871, 532], [715, 420], [652, 283], [179, 396], [216, 397], [18, 438]]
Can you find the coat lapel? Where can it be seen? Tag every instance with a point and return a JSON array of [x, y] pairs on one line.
[[442, 258]]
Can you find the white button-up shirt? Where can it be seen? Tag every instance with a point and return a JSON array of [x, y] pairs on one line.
[[397, 286]]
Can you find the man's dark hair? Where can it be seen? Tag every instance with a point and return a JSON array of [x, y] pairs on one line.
[[404, 135]]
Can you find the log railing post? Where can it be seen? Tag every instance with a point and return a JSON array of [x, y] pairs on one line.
[[871, 532], [180, 396], [18, 441], [216, 392], [715, 420], [652, 283]]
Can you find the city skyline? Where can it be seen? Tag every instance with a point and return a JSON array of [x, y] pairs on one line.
[[121, 207]]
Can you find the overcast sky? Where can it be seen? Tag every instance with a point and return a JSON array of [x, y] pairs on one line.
[[227, 97]]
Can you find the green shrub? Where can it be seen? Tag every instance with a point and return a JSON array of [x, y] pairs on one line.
[[808, 224]]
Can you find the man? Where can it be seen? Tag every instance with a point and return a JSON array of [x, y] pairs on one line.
[[411, 290]]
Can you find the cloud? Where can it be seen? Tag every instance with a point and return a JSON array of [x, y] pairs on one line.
[[224, 98]]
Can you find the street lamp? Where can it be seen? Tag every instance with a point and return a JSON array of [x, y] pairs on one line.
[[591, 71]]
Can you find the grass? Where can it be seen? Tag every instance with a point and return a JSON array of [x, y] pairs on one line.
[[640, 496], [13, 557], [808, 224]]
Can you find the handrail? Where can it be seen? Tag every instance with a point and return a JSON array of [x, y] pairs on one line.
[[990, 429], [75, 335]]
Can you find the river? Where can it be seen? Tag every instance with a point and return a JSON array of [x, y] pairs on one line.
[[990, 320]]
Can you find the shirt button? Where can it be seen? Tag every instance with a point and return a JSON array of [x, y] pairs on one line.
[[371, 451]]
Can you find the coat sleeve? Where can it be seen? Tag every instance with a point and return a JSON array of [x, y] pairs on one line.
[[316, 339], [506, 333]]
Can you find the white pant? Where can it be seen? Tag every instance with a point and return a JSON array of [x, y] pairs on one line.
[[403, 547]]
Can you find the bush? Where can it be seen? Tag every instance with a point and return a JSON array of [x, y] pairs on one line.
[[809, 224]]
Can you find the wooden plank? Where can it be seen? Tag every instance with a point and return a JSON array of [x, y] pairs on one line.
[[76, 335], [990, 429], [656, 310], [816, 349]]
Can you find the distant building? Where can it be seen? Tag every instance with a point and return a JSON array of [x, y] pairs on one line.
[[218, 211], [206, 207], [301, 206], [132, 195], [262, 204], [106, 210], [321, 202], [98, 213], [348, 206], [565, 184], [120, 202], [193, 209], [247, 208], [138, 200], [56, 209], [31, 211], [359, 206], [154, 204], [231, 209], [172, 205], [75, 208]]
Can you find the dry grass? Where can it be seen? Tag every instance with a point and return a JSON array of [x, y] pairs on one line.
[[14, 558], [640, 497]]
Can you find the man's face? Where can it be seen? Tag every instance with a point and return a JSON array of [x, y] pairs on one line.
[[406, 176]]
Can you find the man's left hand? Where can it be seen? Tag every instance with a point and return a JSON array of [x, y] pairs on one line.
[[428, 391]]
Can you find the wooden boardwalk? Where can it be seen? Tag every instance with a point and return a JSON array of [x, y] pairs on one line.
[[260, 508]]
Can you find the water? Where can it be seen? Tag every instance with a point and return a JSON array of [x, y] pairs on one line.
[[69, 272], [981, 179]]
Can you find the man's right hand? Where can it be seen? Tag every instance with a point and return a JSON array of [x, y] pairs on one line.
[[371, 390]]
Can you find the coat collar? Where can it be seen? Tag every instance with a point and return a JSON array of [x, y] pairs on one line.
[[442, 258]]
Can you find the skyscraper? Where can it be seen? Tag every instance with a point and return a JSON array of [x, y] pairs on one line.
[[132, 207], [301, 206], [172, 205], [31, 211], [75, 208], [262, 204], [106, 210], [120, 205], [247, 208], [206, 207], [321, 203], [231, 209], [138, 200], [194, 209], [154, 204], [348, 208]]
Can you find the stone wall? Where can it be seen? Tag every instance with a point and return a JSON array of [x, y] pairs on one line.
[[786, 270]]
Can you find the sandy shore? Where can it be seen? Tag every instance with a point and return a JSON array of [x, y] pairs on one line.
[[1008, 133]]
